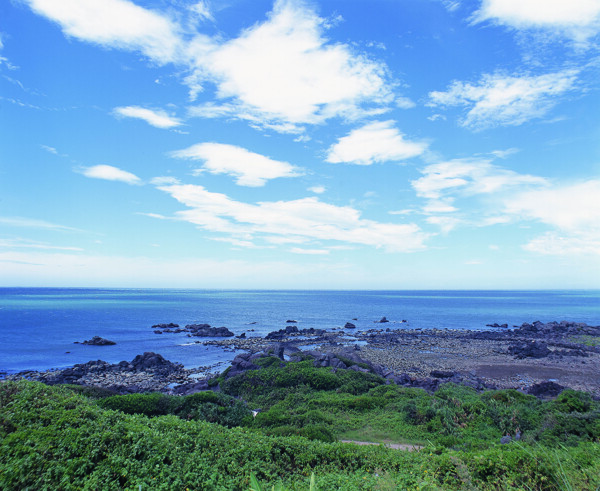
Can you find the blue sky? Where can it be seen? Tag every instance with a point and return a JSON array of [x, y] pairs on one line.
[[381, 144]]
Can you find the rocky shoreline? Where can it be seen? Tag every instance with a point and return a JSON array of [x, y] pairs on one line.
[[558, 354]]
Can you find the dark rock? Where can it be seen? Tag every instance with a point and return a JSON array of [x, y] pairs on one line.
[[241, 336], [196, 327], [441, 374], [533, 349], [151, 361], [276, 334], [545, 389], [191, 388], [165, 326], [349, 325], [98, 341], [290, 321], [383, 320], [211, 332]]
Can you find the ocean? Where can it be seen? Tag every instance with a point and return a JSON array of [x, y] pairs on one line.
[[39, 326]]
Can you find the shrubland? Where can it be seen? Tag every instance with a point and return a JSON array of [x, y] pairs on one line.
[[69, 437]]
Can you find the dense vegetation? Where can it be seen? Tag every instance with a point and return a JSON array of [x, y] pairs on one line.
[[76, 438]]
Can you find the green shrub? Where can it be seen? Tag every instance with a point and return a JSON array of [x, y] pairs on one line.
[[154, 404]]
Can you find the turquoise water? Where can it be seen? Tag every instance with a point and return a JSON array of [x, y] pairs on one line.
[[38, 326]]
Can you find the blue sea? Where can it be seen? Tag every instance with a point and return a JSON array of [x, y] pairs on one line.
[[38, 326]]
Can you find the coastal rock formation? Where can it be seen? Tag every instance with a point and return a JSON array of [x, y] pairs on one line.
[[204, 330], [349, 325], [293, 330], [98, 341], [147, 372], [533, 349]]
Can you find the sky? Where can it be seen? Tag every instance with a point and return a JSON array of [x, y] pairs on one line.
[[330, 144]]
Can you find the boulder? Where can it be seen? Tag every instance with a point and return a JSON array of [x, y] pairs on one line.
[[532, 349], [349, 325], [545, 389], [204, 330]]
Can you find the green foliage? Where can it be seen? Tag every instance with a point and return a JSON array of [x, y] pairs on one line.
[[274, 383], [154, 404], [203, 406], [56, 438]]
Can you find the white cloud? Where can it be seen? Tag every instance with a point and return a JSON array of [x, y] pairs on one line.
[[317, 189], [573, 208], [156, 118], [291, 221], [375, 142], [279, 74], [555, 244], [163, 180], [571, 211], [251, 169], [284, 70], [115, 24], [504, 100], [578, 19], [110, 173]]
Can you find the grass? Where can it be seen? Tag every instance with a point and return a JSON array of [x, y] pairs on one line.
[[585, 339]]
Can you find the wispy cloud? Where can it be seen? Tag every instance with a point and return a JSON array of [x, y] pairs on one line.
[[310, 252], [156, 118], [503, 100], [375, 142], [30, 244], [445, 183], [48, 149], [251, 169], [577, 19], [317, 189], [35, 224], [110, 173], [571, 209], [202, 10], [468, 177], [291, 221]]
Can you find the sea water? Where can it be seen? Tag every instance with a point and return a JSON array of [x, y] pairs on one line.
[[39, 326]]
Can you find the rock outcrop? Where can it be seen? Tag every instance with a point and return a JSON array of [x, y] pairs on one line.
[[98, 341], [147, 372]]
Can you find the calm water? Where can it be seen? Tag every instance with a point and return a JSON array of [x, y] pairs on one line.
[[39, 326]]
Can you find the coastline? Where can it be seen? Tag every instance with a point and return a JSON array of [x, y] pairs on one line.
[[566, 353]]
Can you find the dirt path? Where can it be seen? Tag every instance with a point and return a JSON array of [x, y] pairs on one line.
[[396, 446]]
